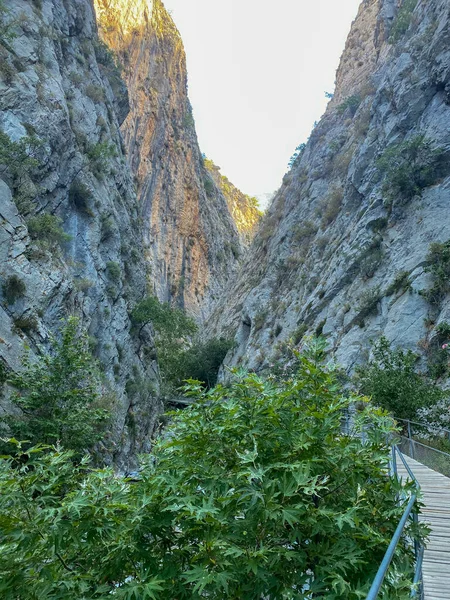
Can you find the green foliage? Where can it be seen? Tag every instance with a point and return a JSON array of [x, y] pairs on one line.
[[202, 361], [368, 303], [331, 206], [352, 103], [410, 167], [391, 380], [209, 186], [6, 32], [95, 92], [113, 271], [19, 165], [26, 323], [303, 232], [46, 230], [401, 282], [80, 196], [436, 352], [99, 157], [253, 493], [297, 153], [13, 289], [438, 265], [59, 395], [174, 330], [403, 20]]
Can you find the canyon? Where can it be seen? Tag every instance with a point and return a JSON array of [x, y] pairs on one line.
[[105, 198]]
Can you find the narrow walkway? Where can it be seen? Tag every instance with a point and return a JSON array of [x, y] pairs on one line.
[[436, 512]]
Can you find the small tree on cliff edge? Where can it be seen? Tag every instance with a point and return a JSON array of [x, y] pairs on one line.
[[58, 394]]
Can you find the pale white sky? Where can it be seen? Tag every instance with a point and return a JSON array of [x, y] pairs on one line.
[[258, 71]]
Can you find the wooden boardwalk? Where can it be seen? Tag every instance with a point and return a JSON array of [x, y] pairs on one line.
[[436, 512]]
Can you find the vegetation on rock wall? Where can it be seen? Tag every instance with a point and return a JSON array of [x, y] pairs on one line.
[[391, 380], [181, 353], [60, 395], [410, 167], [254, 492]]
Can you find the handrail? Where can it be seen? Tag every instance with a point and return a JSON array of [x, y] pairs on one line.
[[425, 446], [381, 573], [419, 549], [425, 425]]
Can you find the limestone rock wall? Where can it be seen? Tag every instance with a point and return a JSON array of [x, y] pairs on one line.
[[243, 208], [59, 88], [193, 243], [343, 248]]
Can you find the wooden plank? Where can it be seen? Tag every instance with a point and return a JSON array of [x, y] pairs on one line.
[[435, 489]]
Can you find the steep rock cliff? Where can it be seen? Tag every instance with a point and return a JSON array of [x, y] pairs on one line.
[[70, 229], [193, 243], [344, 247], [243, 208]]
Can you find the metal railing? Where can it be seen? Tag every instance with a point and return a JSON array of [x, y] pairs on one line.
[[417, 591], [418, 441]]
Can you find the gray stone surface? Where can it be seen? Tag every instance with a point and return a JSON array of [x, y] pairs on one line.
[[307, 269]]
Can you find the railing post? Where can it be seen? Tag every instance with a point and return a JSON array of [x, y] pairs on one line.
[[394, 461], [411, 443]]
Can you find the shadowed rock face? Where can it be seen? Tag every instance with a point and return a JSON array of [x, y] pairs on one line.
[[193, 245], [58, 85], [343, 247]]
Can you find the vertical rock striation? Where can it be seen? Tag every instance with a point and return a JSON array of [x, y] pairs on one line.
[[344, 247], [193, 245], [70, 229]]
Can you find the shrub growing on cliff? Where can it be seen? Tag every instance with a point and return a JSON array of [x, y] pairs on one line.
[[18, 164], [403, 20], [438, 265], [254, 493], [13, 289], [58, 394], [46, 230], [392, 381], [410, 167]]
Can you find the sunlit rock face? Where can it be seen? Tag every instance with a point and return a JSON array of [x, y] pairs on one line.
[[58, 85], [192, 243], [343, 248], [243, 208]]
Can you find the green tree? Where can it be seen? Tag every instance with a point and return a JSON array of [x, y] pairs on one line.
[[59, 395], [254, 492], [393, 383], [174, 331]]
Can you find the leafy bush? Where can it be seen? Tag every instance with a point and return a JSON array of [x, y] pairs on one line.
[[297, 152], [46, 230], [401, 282], [13, 289], [174, 332], [368, 303], [438, 265], [26, 323], [80, 195], [209, 186], [391, 380], [331, 206], [253, 493], [95, 92], [202, 361], [19, 164], [352, 103], [403, 20], [59, 395], [99, 156], [410, 167], [113, 271]]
